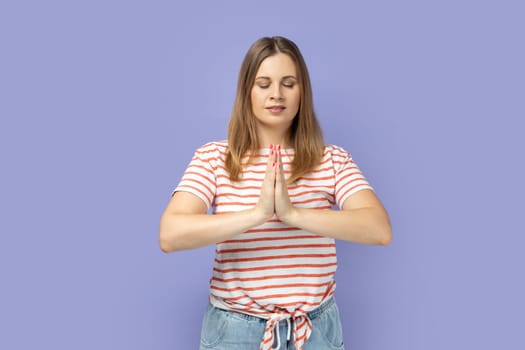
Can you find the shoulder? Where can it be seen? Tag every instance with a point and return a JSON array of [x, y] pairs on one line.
[[335, 151], [213, 149]]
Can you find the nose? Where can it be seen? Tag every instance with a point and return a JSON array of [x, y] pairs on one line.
[[276, 93]]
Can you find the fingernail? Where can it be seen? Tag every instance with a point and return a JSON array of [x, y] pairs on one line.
[[279, 147], [273, 164], [272, 151], [271, 146]]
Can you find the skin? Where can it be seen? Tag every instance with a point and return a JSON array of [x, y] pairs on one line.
[[276, 84], [185, 223]]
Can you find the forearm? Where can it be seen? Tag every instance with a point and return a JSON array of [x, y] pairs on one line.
[[363, 225], [189, 231]]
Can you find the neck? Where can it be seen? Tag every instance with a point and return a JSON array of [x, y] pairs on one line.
[[274, 138]]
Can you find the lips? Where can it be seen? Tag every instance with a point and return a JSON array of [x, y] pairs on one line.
[[276, 109]]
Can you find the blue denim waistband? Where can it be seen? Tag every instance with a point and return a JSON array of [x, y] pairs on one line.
[[321, 308], [311, 315]]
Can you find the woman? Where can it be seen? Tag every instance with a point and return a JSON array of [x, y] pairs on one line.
[[274, 183]]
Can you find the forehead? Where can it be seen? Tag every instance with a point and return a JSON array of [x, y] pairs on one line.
[[277, 65]]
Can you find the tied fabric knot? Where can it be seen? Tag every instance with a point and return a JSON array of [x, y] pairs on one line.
[[302, 329]]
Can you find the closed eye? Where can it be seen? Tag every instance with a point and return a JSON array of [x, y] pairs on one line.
[[289, 81]]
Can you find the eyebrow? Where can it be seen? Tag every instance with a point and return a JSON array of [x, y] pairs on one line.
[[283, 78]]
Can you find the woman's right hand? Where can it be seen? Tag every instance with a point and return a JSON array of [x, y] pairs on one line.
[[266, 204]]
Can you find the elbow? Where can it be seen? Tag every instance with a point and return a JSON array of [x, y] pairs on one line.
[[168, 239], [386, 240], [169, 244], [384, 230], [166, 243], [168, 247], [386, 235], [165, 247]]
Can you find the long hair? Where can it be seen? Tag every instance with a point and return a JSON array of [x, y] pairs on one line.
[[305, 132]]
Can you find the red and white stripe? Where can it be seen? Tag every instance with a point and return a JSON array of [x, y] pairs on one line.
[[273, 271]]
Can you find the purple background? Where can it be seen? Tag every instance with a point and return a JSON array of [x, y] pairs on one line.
[[103, 103]]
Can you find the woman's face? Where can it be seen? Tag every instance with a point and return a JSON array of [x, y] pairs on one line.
[[275, 94]]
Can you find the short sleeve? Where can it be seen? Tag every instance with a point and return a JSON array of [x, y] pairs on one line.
[[199, 177], [348, 177]]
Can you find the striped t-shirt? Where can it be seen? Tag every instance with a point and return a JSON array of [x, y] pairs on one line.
[[273, 271]]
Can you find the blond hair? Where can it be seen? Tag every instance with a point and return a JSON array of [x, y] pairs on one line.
[[305, 131]]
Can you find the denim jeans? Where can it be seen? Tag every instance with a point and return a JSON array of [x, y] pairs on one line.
[[226, 330]]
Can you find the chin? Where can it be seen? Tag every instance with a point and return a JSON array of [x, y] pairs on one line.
[[276, 121]]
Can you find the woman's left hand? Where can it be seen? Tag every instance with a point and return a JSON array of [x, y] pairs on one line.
[[283, 206]]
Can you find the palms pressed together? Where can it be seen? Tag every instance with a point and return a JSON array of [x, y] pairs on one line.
[[274, 197]]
